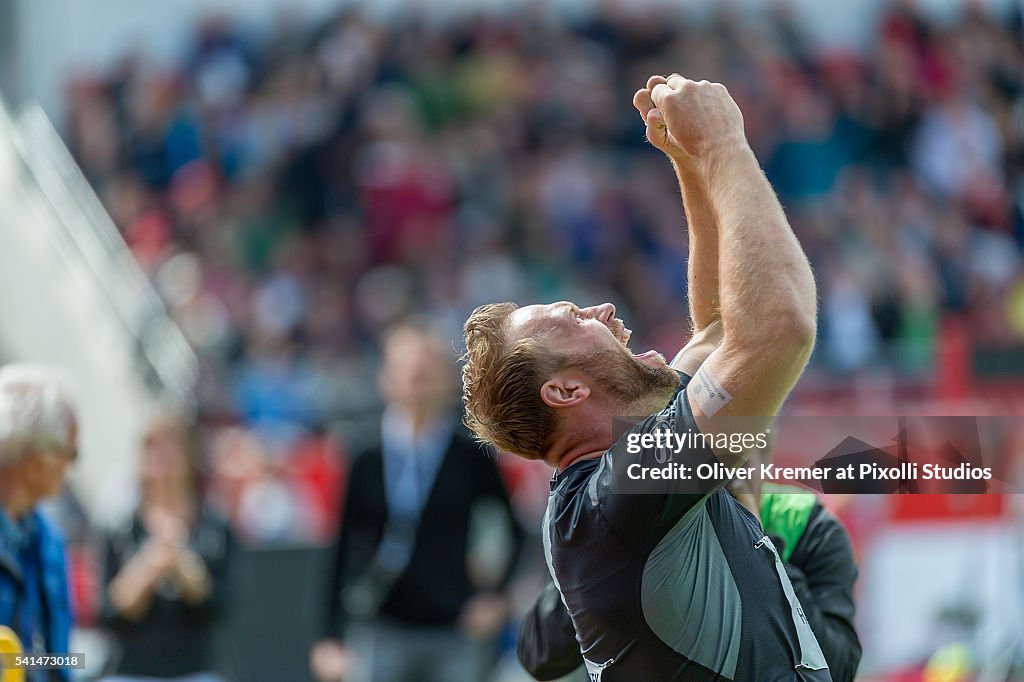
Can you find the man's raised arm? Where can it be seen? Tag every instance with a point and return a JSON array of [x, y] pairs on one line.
[[768, 298], [702, 229], [701, 222]]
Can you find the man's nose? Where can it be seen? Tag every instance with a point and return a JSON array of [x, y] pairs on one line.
[[604, 312]]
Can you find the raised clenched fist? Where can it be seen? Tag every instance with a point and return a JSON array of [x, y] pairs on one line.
[[686, 119]]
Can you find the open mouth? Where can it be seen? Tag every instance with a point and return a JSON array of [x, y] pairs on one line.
[[622, 334]]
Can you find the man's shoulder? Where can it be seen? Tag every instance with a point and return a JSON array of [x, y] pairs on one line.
[[367, 457], [46, 529], [569, 482], [824, 529], [463, 441], [52, 547], [467, 457], [575, 489]]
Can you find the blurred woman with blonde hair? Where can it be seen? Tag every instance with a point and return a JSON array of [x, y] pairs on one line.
[[166, 568]]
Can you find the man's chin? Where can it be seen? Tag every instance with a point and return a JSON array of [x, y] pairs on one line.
[[631, 379], [659, 380], [651, 358]]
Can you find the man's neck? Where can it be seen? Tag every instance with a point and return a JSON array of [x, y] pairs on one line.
[[602, 438], [578, 455]]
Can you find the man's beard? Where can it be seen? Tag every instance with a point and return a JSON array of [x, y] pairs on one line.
[[627, 381]]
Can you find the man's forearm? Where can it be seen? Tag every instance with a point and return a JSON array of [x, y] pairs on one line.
[[767, 287], [702, 268]]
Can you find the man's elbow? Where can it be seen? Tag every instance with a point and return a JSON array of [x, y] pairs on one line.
[[842, 648], [791, 342], [845, 670], [790, 334], [796, 317], [534, 657], [796, 333]]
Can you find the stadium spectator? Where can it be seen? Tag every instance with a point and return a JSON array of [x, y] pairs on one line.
[[292, 195], [165, 578], [38, 443], [405, 603]]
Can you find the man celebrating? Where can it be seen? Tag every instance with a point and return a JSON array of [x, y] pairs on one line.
[[38, 442], [665, 586]]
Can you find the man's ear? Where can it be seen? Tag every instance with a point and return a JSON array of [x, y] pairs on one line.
[[564, 391]]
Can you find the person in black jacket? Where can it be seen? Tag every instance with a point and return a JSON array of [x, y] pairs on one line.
[[819, 561], [166, 570], [404, 603]]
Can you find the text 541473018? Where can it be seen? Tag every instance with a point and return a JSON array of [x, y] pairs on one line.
[[41, 661]]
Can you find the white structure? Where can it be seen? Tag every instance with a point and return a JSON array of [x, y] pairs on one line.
[[71, 295]]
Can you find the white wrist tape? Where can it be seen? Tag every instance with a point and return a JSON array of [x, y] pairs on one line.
[[707, 392]]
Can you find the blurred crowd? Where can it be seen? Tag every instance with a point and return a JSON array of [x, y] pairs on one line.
[[293, 193]]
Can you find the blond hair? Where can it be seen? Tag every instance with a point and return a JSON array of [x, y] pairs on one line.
[[501, 383]]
